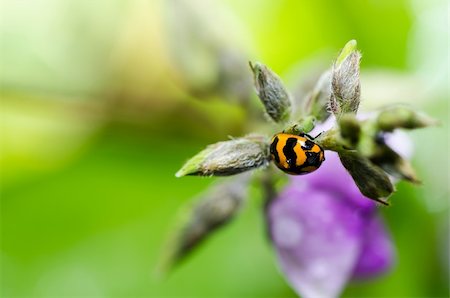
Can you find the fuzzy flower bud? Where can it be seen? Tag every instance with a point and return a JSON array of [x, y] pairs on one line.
[[395, 165], [272, 92], [229, 157], [371, 180], [210, 211], [350, 128], [345, 85], [403, 117], [209, 62], [317, 101]]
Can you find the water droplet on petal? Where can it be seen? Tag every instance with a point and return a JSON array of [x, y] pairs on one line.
[[287, 232]]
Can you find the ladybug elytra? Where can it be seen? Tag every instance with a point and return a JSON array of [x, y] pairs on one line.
[[296, 154]]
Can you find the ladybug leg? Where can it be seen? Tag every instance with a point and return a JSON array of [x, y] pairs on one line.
[[312, 137]]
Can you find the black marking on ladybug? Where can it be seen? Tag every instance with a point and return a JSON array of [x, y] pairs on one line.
[[273, 150], [308, 145], [311, 158], [288, 150]]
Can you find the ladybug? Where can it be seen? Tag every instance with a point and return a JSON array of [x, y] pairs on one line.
[[296, 154]]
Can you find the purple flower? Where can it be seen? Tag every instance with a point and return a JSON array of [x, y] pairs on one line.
[[326, 232]]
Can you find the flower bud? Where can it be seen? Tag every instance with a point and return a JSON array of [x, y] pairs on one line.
[[371, 180], [208, 63], [304, 125], [345, 85], [229, 157], [391, 162], [317, 101], [350, 129], [403, 117], [208, 213], [272, 92]]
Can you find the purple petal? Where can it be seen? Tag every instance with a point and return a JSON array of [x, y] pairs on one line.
[[333, 178], [317, 239], [377, 254], [325, 231], [323, 126]]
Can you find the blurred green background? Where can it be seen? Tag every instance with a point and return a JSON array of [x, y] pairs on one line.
[[102, 101]]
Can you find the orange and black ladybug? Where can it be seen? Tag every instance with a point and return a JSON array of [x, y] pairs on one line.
[[296, 154]]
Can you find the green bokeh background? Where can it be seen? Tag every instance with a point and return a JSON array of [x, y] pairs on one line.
[[96, 118]]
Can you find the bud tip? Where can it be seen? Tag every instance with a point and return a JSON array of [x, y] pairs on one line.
[[346, 50]]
